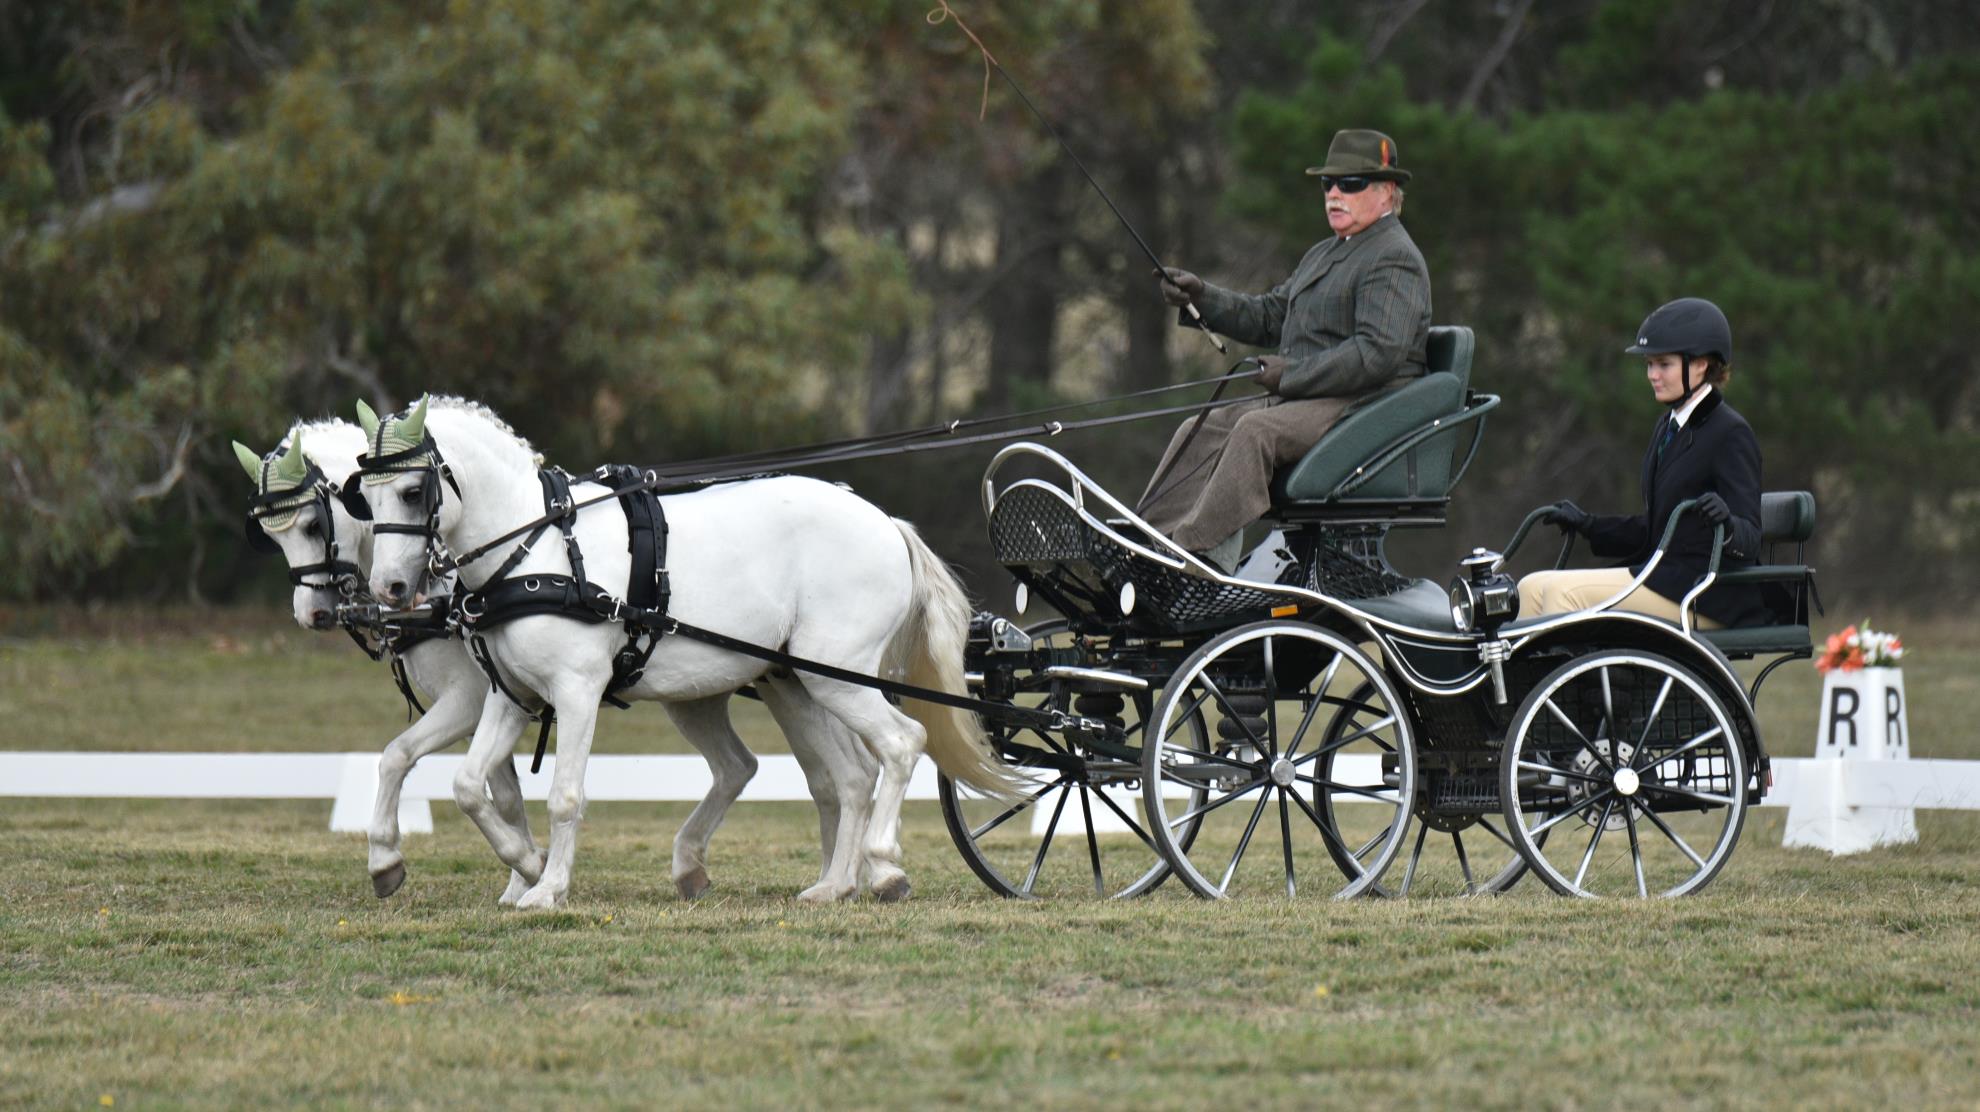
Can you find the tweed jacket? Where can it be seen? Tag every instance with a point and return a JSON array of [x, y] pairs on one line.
[[1714, 451], [1354, 317]]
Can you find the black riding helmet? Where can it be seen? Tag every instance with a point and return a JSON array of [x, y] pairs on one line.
[[1691, 327]]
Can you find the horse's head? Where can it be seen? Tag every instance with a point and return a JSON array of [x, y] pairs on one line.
[[402, 489], [295, 512]]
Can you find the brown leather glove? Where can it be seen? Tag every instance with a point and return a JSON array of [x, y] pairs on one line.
[[1179, 286], [1272, 368]]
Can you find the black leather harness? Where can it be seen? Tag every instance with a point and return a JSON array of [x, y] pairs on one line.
[[505, 596]]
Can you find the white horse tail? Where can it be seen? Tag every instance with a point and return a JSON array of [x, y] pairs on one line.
[[930, 645]]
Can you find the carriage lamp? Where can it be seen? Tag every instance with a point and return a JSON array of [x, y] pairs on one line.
[[1484, 597]]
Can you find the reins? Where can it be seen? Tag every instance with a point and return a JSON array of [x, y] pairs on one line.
[[736, 468]]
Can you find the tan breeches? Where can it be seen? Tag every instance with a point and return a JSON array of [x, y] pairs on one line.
[[1563, 592]]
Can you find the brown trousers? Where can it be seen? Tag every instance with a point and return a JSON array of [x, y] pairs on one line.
[[1564, 592], [1222, 481]]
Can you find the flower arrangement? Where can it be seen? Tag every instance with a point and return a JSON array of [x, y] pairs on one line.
[[1859, 647]]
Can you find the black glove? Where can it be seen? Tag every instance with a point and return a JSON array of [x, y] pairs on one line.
[[1570, 517], [1179, 286], [1714, 508], [1271, 368]]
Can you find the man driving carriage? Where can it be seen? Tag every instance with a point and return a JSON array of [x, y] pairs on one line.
[[1350, 323]]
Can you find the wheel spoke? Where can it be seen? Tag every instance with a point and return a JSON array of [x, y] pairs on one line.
[[1594, 840], [1313, 708], [1554, 770], [1702, 797], [1656, 709], [1216, 803], [1244, 843], [1673, 836], [1330, 785], [1231, 712], [1415, 855], [1271, 699], [1014, 809], [1579, 736], [1350, 739], [1635, 851], [1285, 833], [1326, 832], [1373, 842], [1045, 846], [1497, 833], [1219, 758], [1464, 864], [1129, 820], [1092, 841], [1578, 808], [1708, 736], [1195, 708], [1608, 707]]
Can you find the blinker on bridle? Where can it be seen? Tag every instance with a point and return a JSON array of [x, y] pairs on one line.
[[314, 487], [422, 459]]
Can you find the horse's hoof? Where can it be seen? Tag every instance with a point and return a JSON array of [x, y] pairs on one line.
[[537, 899], [825, 893], [693, 883], [388, 882], [517, 886], [894, 889]]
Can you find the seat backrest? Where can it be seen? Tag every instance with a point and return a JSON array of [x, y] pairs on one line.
[[1787, 515], [1360, 435], [1449, 349]]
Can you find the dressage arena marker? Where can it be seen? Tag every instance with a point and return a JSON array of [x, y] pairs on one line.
[[1831, 801]]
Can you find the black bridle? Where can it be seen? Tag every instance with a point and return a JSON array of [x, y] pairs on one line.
[[314, 487], [422, 459]]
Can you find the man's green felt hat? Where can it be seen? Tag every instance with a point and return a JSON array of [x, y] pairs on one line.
[[1358, 152]]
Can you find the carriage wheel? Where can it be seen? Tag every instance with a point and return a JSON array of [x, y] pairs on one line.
[[1631, 775], [1446, 855], [1271, 689], [1077, 829]]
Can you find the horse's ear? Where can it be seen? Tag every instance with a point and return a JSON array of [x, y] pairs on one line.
[[249, 460], [367, 419], [413, 427], [292, 465]]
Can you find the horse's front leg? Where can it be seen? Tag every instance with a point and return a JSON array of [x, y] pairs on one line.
[[494, 745], [450, 718], [577, 717], [705, 724]]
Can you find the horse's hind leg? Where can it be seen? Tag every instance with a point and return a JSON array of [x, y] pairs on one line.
[[841, 777], [896, 742], [505, 792], [493, 746], [705, 724]]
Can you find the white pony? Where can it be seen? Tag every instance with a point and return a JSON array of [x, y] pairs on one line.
[[787, 562], [440, 667], [443, 669]]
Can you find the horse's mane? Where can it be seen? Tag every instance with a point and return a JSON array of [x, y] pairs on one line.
[[474, 408]]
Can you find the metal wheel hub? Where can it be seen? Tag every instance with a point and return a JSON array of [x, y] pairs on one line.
[[1282, 772], [1624, 780]]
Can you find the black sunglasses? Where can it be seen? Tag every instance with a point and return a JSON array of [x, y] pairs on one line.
[[1345, 185]]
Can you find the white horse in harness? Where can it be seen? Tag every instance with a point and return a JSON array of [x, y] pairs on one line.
[[788, 563], [296, 488], [294, 495]]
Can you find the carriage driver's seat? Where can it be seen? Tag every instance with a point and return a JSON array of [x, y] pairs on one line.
[[1394, 460]]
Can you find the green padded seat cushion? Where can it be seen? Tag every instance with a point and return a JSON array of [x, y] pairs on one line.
[[1368, 430], [1449, 349]]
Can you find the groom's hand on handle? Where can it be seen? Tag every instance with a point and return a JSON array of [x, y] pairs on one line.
[[1570, 517], [1179, 286]]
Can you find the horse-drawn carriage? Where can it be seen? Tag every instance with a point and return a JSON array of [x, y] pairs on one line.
[[1301, 724], [1294, 727]]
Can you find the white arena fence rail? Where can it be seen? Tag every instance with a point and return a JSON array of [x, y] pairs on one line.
[[1831, 802]]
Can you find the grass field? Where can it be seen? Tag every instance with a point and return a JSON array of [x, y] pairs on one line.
[[169, 953]]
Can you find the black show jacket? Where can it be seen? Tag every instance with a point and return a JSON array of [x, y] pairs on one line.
[[1714, 451]]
